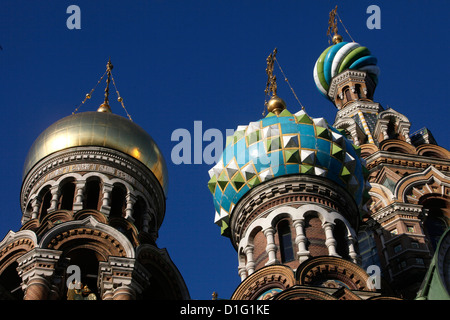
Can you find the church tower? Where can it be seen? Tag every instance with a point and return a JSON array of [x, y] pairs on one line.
[[93, 200], [289, 191], [409, 206]]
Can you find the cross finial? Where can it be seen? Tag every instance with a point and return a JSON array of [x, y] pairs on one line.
[[332, 26], [271, 85], [275, 104], [104, 107]]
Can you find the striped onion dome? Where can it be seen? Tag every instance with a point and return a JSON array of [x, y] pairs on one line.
[[340, 57]]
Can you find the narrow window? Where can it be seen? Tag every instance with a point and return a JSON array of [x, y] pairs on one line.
[[46, 201], [92, 194], [139, 209], [67, 196], [285, 237], [358, 91], [118, 202]]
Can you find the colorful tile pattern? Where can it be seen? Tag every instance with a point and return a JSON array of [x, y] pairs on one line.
[[282, 145]]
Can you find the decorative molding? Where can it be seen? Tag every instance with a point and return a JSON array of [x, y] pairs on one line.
[[88, 227], [274, 276], [395, 208], [93, 159], [280, 191]]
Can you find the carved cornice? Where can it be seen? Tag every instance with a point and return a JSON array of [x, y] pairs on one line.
[[102, 238], [120, 272], [38, 262], [14, 245], [405, 160], [351, 108], [337, 81], [326, 267], [395, 208], [275, 276], [86, 159]]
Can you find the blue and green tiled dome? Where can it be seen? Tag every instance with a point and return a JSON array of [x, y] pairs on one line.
[[340, 57], [280, 145]]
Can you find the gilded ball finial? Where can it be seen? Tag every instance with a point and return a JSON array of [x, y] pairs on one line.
[[104, 107], [276, 105], [337, 38]]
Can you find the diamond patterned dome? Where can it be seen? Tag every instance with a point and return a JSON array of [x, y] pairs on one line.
[[279, 145]]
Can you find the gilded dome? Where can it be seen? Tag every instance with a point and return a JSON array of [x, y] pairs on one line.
[[103, 129], [280, 145]]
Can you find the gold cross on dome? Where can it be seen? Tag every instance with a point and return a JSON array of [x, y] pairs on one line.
[[332, 22], [271, 85]]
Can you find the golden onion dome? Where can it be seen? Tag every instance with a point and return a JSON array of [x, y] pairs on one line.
[[103, 129]]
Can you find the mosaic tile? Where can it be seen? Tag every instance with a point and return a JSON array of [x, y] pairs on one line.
[[283, 145]]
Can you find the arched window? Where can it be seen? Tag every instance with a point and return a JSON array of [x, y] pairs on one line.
[[367, 248], [347, 94], [11, 283], [436, 221], [118, 201], [139, 209], [358, 91], [92, 194], [391, 131], [433, 154], [340, 235], [315, 235], [285, 237], [67, 196], [88, 262], [46, 197]]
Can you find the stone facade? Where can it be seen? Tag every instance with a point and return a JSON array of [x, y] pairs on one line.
[[409, 207]]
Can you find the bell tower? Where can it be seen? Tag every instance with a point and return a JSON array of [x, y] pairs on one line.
[[93, 199], [407, 172]]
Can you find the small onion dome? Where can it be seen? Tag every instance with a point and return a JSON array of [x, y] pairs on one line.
[[340, 57], [279, 145], [102, 129]]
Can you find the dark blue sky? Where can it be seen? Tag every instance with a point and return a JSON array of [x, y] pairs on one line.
[[176, 62]]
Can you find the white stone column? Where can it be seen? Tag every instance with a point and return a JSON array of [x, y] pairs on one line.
[[131, 200], [79, 195], [242, 270], [300, 240], [37, 268], [250, 265], [56, 192], [330, 241], [405, 133], [271, 247], [106, 198], [351, 249], [36, 205], [122, 279], [384, 132]]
